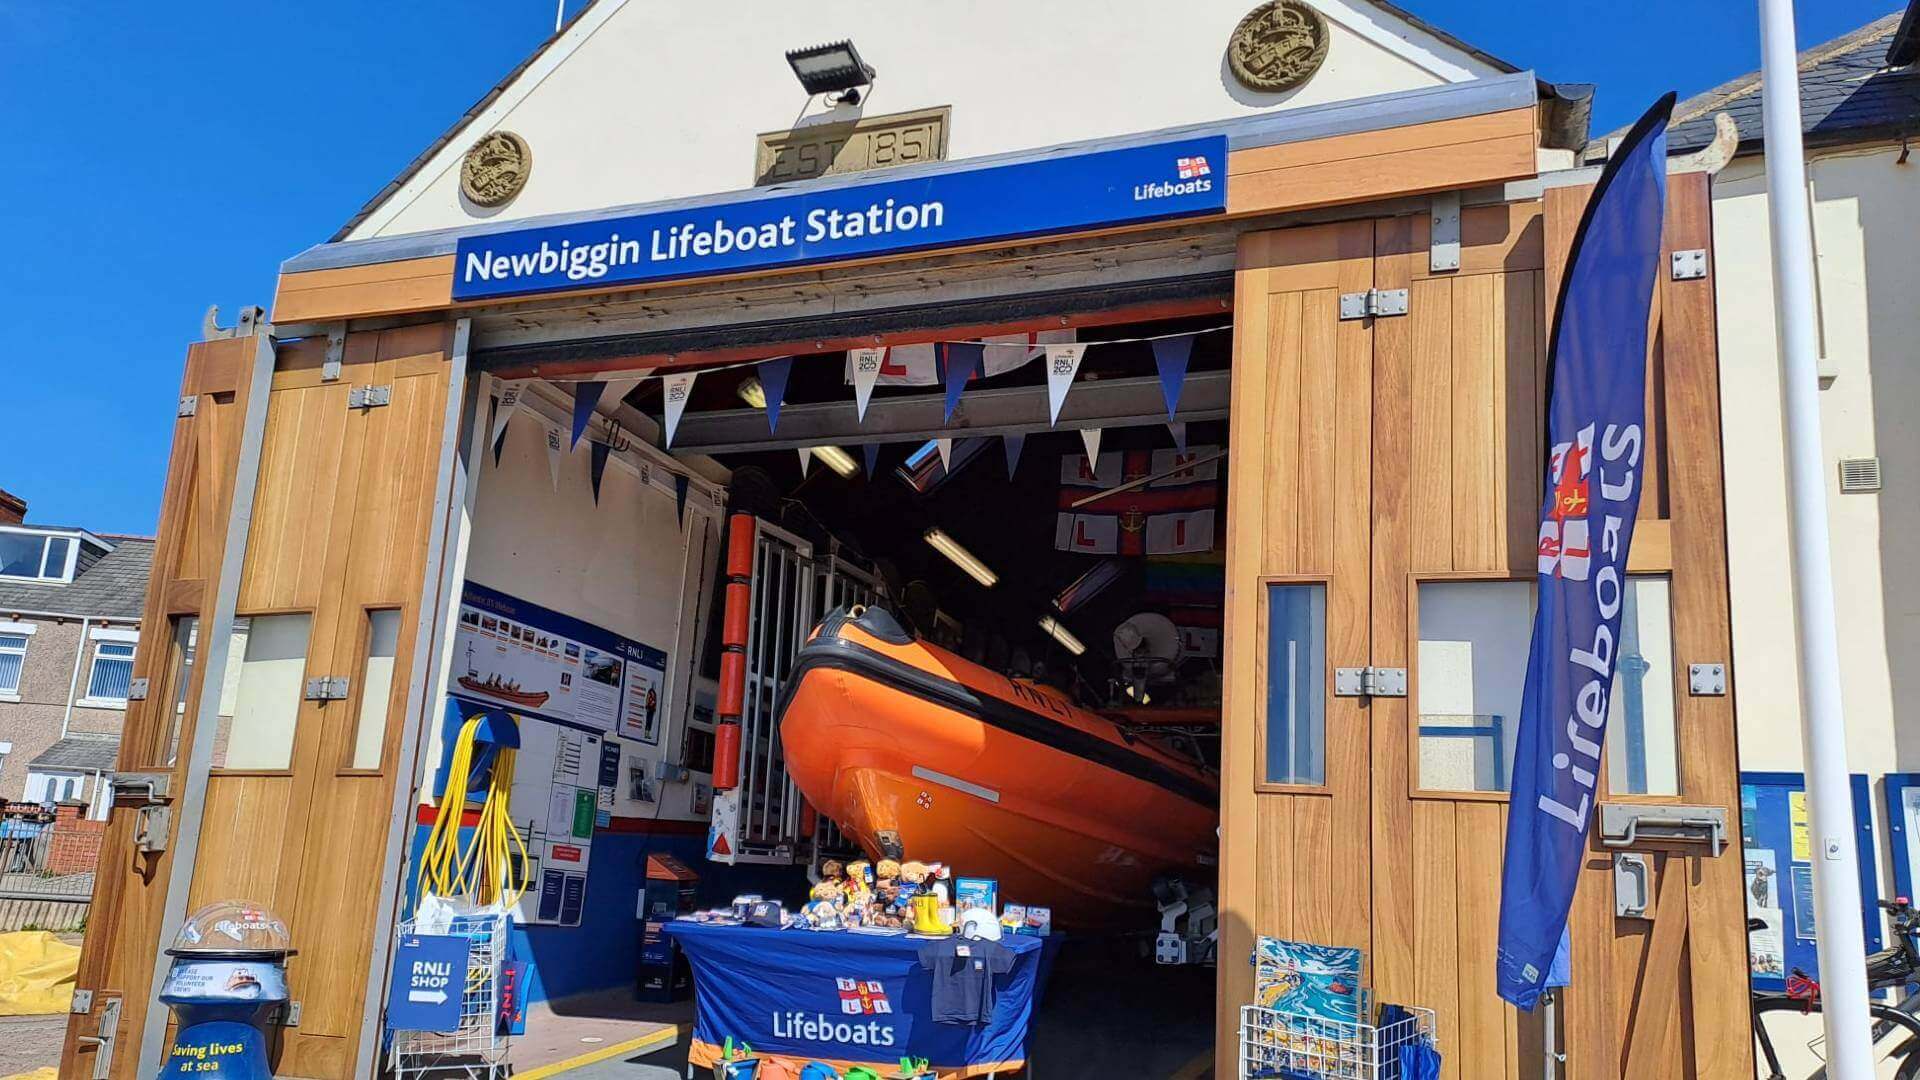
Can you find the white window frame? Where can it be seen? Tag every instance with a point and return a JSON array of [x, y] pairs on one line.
[[74, 540], [101, 635], [26, 630], [46, 777]]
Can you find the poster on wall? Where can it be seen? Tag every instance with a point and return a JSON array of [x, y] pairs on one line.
[[540, 663], [555, 803], [1777, 874]]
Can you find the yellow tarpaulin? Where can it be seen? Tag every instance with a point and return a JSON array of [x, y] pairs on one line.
[[46, 1072], [36, 973]]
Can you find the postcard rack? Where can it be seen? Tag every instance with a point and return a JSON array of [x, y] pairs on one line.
[[1276, 1045]]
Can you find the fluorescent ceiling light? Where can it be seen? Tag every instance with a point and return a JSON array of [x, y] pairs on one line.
[[964, 559], [1062, 635], [836, 459], [753, 393]]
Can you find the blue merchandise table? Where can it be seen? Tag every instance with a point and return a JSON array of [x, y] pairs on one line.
[[811, 995]]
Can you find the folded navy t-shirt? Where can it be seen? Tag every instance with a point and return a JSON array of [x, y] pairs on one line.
[[963, 971]]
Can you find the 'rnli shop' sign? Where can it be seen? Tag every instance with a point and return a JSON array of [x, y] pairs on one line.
[[1069, 193]]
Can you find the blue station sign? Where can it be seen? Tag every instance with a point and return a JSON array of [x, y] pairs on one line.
[[429, 980], [757, 231]]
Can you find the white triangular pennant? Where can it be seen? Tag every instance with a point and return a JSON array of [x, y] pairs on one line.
[[806, 459], [866, 371], [616, 391], [1063, 362], [945, 446], [509, 403], [1090, 438], [676, 387], [1178, 428], [556, 445]]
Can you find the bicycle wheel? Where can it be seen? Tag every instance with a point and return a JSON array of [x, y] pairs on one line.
[[1789, 1035]]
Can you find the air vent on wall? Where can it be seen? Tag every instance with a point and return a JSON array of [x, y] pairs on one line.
[[1859, 475]]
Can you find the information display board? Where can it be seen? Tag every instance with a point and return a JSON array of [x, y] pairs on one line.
[[538, 662], [1777, 849]]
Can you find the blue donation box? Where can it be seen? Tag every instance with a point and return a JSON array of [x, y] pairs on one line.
[[227, 980]]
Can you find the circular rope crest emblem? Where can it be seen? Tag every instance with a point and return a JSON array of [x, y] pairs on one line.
[[495, 168], [1278, 46]]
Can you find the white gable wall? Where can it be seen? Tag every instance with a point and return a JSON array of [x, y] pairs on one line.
[[644, 100]]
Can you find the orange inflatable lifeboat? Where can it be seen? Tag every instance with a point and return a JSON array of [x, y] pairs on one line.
[[913, 750]]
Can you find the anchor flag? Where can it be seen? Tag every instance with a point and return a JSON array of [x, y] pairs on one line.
[[773, 380], [866, 372], [1596, 420], [600, 451], [502, 412], [1063, 362], [586, 395], [675, 389], [958, 362], [1170, 355]]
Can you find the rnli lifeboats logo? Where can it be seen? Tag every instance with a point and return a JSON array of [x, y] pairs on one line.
[[1277, 46], [1191, 176], [862, 997], [1565, 548]]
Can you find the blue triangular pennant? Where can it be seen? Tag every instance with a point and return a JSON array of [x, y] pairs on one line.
[[586, 395], [959, 360], [680, 484], [773, 380], [871, 451], [1170, 356], [1012, 444], [600, 451]]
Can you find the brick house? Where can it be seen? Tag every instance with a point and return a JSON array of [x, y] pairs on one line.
[[70, 605]]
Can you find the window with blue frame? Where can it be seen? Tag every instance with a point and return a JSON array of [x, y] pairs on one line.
[[1296, 726]]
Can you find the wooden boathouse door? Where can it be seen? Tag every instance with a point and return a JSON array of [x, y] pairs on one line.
[[295, 814], [1395, 459]]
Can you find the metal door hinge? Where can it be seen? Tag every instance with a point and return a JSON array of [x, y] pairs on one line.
[[368, 397], [327, 688], [1626, 825], [1373, 303], [1707, 680], [1443, 238], [136, 689], [189, 405], [1690, 265], [336, 352], [1370, 682], [82, 1002], [289, 1015]]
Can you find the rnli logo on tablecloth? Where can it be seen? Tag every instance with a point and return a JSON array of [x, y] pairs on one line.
[[1277, 46], [495, 168], [862, 997], [1565, 548]]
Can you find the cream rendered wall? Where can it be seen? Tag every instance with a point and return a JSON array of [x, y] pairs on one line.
[[1866, 221], [643, 101]]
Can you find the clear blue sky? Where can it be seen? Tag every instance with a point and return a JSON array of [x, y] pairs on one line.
[[162, 157]]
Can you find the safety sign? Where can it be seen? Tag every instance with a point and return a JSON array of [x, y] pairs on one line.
[[429, 977]]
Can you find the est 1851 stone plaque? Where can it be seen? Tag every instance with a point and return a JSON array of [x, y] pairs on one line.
[[871, 142]]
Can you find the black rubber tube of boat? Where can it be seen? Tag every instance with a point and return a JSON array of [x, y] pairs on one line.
[[831, 652]]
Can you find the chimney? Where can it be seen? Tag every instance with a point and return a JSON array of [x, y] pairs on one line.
[[13, 508]]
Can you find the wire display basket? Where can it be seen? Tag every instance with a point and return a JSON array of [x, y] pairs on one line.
[[1277, 1045], [476, 1049]]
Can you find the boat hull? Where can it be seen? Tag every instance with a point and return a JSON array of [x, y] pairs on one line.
[[911, 749]]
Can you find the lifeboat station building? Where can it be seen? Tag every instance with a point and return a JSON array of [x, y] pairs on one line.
[[1151, 399]]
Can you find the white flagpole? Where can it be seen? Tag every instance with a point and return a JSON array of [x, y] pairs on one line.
[[1836, 881]]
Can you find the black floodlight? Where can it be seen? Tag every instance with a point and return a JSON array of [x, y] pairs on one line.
[[829, 69]]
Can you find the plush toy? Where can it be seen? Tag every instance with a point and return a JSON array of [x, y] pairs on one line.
[[833, 870], [859, 885]]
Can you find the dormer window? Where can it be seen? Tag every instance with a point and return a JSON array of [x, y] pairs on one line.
[[32, 555]]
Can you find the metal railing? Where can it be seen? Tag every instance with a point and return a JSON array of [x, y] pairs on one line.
[[47, 865]]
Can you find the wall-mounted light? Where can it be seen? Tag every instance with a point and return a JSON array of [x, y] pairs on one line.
[[964, 559], [834, 68], [836, 459], [1062, 635]]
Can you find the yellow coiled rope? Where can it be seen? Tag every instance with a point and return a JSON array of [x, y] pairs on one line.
[[481, 872]]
